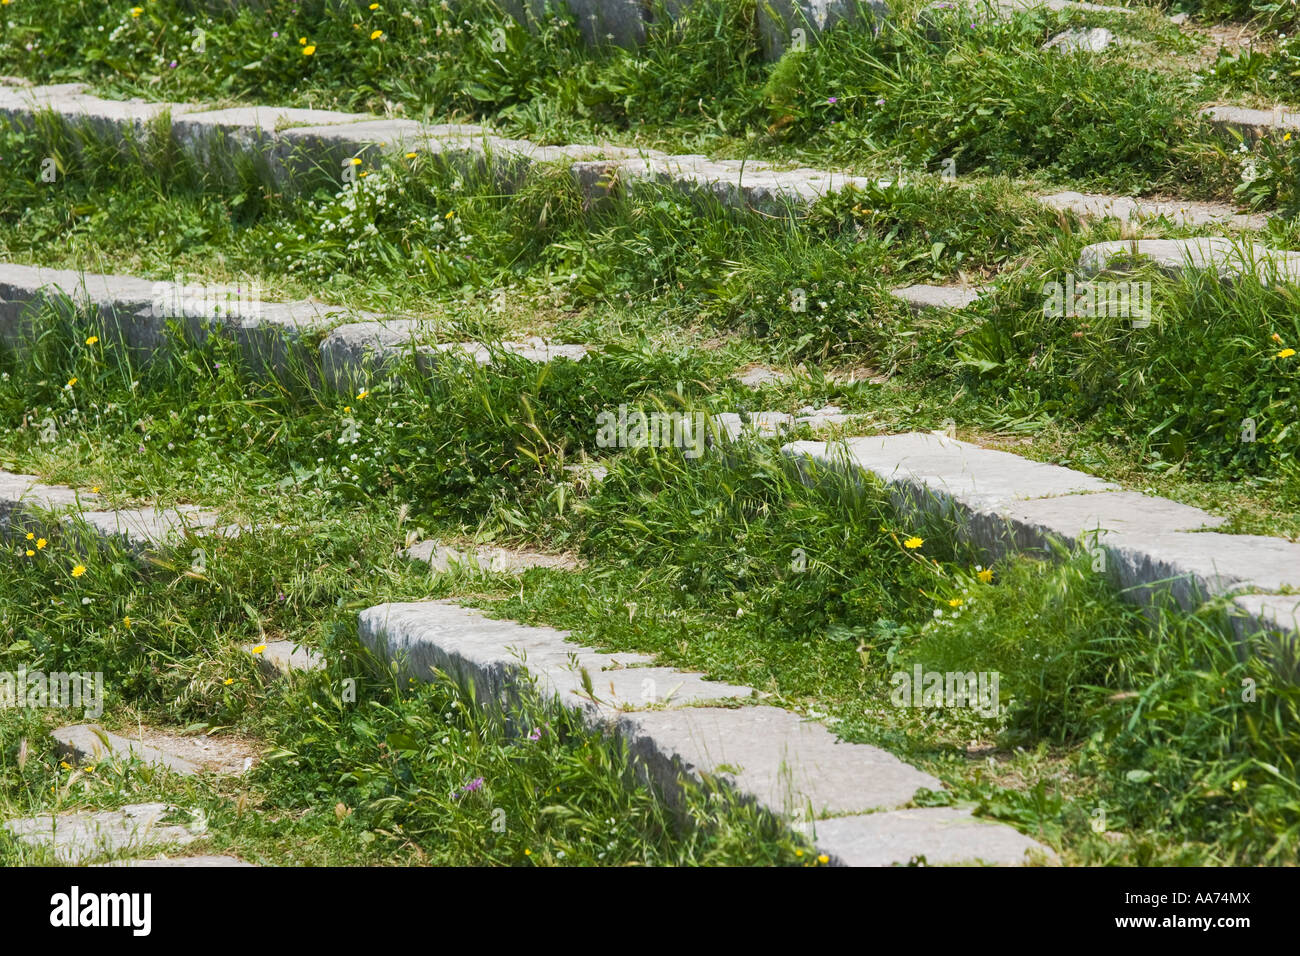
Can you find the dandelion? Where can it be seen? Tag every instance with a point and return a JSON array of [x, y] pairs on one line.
[[40, 544], [94, 490], [79, 570], [823, 859], [528, 852], [92, 340], [308, 50], [354, 161], [259, 649], [30, 536], [986, 575], [798, 852], [956, 602], [410, 156], [374, 6], [302, 41], [136, 11], [377, 34], [913, 543], [227, 682], [362, 394], [126, 621], [30, 553], [1286, 353], [71, 382]]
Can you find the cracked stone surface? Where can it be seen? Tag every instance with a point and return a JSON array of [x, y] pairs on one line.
[[1228, 258], [182, 861], [20, 492], [185, 755], [1132, 209], [776, 757], [1252, 122], [1092, 40], [495, 655], [442, 558], [922, 298], [278, 658], [938, 835], [78, 837]]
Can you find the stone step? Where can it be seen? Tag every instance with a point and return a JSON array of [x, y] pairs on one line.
[[1252, 123], [332, 140], [270, 335], [78, 837], [1230, 259], [25, 502], [933, 835], [793, 767], [186, 861], [279, 658], [184, 755], [1133, 209], [442, 558], [926, 298], [1001, 502]]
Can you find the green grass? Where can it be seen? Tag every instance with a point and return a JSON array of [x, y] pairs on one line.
[[694, 561]]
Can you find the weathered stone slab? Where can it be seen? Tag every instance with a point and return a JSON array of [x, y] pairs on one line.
[[1254, 123], [759, 376], [147, 527], [948, 470], [277, 658], [933, 835], [1132, 209], [500, 657], [922, 298], [182, 861], [786, 24], [89, 742], [19, 492], [790, 765], [442, 558], [1100, 517], [78, 837], [1228, 258], [1090, 40], [358, 352]]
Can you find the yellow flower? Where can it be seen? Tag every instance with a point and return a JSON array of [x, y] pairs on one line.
[[65, 765], [798, 852], [377, 34], [374, 6], [92, 340], [126, 621], [302, 41], [30, 553], [823, 859], [450, 215], [72, 381], [354, 161], [528, 852], [913, 543], [986, 575], [1286, 353], [1286, 138], [259, 648], [41, 543], [309, 50], [1238, 785], [228, 681], [410, 156], [94, 489], [79, 570], [362, 394], [30, 536], [955, 602], [347, 408], [136, 11]]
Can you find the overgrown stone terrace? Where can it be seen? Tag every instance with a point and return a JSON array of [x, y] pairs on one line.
[[1085, 544]]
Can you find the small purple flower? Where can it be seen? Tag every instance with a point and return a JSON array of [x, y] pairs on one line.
[[880, 102], [216, 365], [275, 34], [280, 597], [832, 100], [172, 64], [536, 734], [475, 784]]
